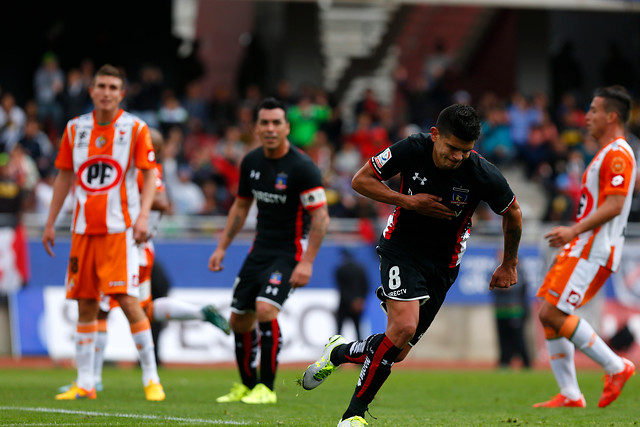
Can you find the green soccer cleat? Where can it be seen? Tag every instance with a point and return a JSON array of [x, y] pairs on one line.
[[213, 316], [353, 422], [260, 394], [238, 391], [317, 372]]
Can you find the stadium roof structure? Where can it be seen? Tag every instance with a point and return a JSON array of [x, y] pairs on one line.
[[575, 5]]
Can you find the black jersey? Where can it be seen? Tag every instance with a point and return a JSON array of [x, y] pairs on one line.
[[461, 189], [285, 190]]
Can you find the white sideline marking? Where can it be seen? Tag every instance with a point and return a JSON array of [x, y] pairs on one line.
[[107, 414]]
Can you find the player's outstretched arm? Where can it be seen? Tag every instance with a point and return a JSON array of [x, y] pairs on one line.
[[235, 220], [318, 228], [561, 235], [506, 274], [61, 187]]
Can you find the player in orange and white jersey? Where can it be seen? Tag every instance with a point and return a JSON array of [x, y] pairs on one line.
[[591, 252], [160, 309], [101, 152]]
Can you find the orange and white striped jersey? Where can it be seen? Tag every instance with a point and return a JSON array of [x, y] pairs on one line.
[[611, 172], [105, 159]]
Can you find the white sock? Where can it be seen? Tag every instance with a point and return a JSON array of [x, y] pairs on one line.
[[561, 352], [86, 336], [173, 309], [101, 343], [586, 339], [144, 343]]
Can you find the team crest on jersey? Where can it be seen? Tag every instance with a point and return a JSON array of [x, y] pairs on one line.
[[101, 141], [281, 181], [459, 196], [617, 164], [275, 278], [99, 174], [383, 158]]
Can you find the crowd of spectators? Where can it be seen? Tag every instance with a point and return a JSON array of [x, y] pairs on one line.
[[208, 134]]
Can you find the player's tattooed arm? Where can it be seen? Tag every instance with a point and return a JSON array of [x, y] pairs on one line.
[[506, 275], [512, 231]]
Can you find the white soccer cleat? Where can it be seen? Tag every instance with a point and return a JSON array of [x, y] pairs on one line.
[[317, 372]]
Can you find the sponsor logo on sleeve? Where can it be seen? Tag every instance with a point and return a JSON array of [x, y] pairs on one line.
[[382, 158], [617, 180]]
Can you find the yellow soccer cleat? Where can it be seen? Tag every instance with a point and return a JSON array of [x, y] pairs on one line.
[[238, 391], [76, 393], [259, 395], [154, 391]]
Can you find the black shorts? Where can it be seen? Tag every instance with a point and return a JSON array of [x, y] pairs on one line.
[[405, 278], [263, 276]]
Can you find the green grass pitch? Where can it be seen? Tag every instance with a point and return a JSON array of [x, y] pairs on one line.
[[410, 397]]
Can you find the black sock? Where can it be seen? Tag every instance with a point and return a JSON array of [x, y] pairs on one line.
[[375, 371], [356, 351], [246, 353], [270, 344]]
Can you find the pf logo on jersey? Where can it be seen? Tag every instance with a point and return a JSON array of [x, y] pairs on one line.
[[99, 174]]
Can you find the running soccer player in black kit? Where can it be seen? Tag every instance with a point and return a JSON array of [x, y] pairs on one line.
[[443, 181], [292, 221]]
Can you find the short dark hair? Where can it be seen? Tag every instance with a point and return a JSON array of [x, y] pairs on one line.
[[461, 121], [616, 100], [110, 70], [269, 104]]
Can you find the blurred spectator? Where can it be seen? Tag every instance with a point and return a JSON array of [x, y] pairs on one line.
[[222, 109], [37, 145], [171, 113], [305, 118], [230, 146], [186, 197], [284, 93], [14, 256], [146, 95], [495, 140], [541, 139], [353, 286], [348, 160], [421, 107], [511, 311], [522, 117], [438, 62], [369, 137], [74, 98], [196, 106], [24, 170], [566, 72], [215, 198], [48, 83], [12, 122], [368, 104]]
